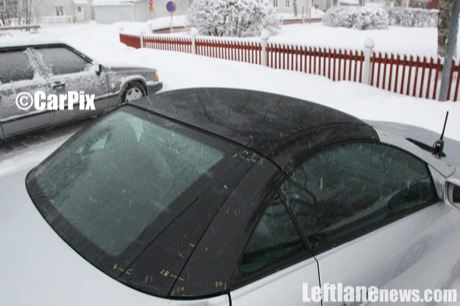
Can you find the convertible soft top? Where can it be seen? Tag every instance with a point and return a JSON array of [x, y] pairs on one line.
[[269, 124]]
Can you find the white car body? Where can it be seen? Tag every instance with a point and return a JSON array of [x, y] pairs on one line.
[[419, 251]]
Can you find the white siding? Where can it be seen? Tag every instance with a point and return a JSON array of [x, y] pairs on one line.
[[114, 13], [138, 11], [286, 6], [46, 10], [141, 11]]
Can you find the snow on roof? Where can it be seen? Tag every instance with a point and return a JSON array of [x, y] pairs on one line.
[[21, 41], [349, 2], [80, 2], [114, 2]]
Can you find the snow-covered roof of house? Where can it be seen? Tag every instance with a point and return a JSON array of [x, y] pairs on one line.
[[80, 2], [349, 2], [114, 2]]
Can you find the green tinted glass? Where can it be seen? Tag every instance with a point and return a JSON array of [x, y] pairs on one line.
[[121, 175]]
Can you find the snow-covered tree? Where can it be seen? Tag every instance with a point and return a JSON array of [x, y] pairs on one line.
[[15, 12], [413, 17], [366, 18], [361, 18], [235, 18], [8, 11], [25, 13]]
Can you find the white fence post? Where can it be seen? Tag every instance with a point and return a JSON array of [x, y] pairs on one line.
[[194, 33], [264, 36], [149, 27], [142, 38], [369, 45]]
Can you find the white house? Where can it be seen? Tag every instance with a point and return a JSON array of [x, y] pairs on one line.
[[386, 3], [63, 11], [110, 11], [286, 6]]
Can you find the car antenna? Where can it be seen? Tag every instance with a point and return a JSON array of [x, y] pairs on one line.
[[438, 146]]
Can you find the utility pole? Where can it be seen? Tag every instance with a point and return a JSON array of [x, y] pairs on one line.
[[451, 48], [446, 8]]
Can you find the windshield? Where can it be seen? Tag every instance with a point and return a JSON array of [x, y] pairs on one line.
[[130, 174]]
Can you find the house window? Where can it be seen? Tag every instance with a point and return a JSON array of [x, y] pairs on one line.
[[288, 3], [79, 9], [59, 11], [275, 3]]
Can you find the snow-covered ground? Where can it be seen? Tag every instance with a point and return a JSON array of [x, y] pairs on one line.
[[402, 40], [397, 40], [179, 70], [165, 22]]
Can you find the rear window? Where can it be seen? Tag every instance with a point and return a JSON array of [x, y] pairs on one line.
[[130, 174], [15, 66]]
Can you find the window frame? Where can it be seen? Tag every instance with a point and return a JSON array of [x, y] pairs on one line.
[[371, 228], [43, 65], [239, 279], [287, 4], [59, 9]]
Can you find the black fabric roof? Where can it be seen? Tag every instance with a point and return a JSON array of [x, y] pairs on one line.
[[257, 120]]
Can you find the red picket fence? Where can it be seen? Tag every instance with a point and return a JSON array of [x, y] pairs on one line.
[[177, 29], [413, 76], [336, 65], [407, 75], [178, 44], [131, 40], [233, 50]]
